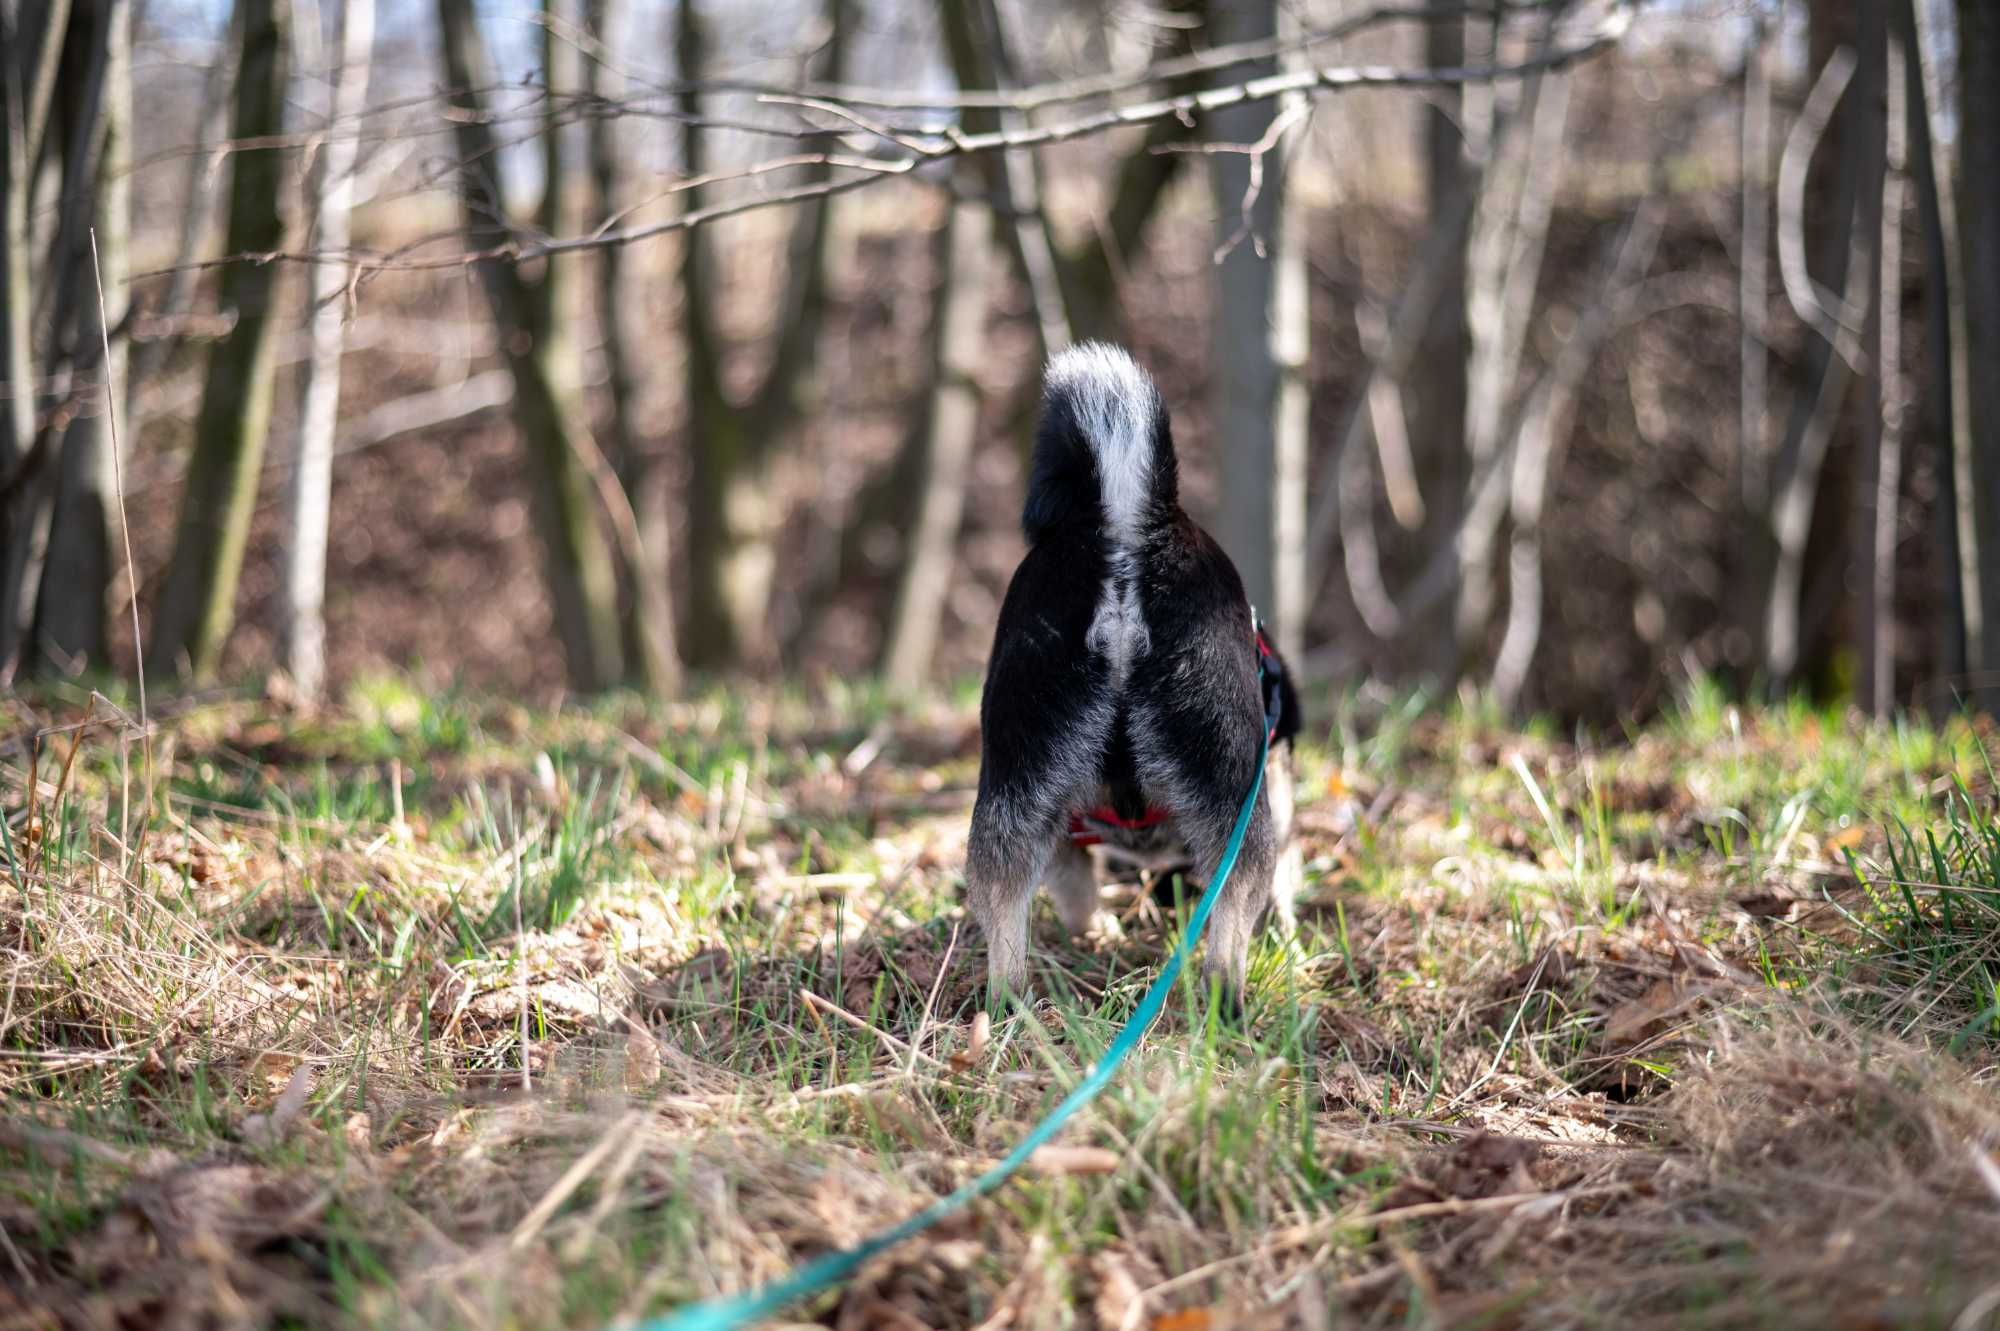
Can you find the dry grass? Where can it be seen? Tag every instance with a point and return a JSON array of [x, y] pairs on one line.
[[438, 1012]]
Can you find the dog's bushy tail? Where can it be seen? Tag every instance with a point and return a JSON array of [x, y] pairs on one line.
[[1103, 451]]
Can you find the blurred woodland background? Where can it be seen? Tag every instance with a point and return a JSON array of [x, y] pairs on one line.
[[1559, 347]]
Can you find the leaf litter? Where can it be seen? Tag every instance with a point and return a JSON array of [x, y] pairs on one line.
[[1498, 1081]]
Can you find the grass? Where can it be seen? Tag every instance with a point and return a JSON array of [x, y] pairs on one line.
[[441, 1011]]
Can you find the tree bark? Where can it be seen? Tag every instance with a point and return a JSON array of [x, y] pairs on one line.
[[1839, 241], [76, 578], [646, 608], [578, 562], [1504, 263], [1881, 638], [950, 430], [198, 210], [1979, 266], [1434, 407], [1752, 490], [1257, 344], [29, 58], [1943, 371], [198, 603], [311, 495], [732, 514], [1092, 267]]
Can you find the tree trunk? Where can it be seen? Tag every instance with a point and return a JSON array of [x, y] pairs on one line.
[[29, 58], [1752, 490], [304, 647], [1093, 267], [579, 572], [1435, 404], [647, 611], [1943, 370], [1881, 640], [976, 43], [197, 221], [1979, 267], [732, 514], [950, 430], [1510, 236], [1257, 345], [197, 605], [1542, 435], [1837, 240], [76, 578]]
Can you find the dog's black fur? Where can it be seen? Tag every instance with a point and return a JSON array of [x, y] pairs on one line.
[[1124, 675]]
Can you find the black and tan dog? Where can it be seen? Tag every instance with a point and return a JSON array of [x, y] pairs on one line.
[[1122, 703]]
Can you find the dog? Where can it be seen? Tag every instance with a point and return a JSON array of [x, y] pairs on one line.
[[1122, 704]]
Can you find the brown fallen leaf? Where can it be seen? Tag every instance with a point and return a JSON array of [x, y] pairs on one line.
[[1630, 1020], [1121, 1288], [270, 1129], [962, 1060], [1053, 1161], [1187, 1319], [642, 1059]]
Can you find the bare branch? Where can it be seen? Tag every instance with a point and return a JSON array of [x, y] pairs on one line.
[[948, 142], [1841, 327]]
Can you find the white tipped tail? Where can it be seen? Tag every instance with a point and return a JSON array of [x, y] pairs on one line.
[[1116, 406]]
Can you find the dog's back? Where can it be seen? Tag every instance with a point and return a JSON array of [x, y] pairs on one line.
[[1122, 691]]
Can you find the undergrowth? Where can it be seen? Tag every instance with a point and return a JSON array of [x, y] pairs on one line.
[[442, 1011]]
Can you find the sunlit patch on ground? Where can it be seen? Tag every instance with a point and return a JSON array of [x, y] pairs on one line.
[[437, 1011]]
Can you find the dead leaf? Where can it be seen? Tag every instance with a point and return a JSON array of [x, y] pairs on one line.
[[1187, 1319], [1121, 1288], [1056, 1161], [1847, 838], [270, 1129], [1632, 1017], [642, 1060], [962, 1060]]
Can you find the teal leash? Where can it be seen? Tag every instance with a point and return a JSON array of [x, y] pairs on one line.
[[738, 1310]]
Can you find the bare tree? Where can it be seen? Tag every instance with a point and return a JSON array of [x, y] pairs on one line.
[[30, 58], [1435, 400], [647, 608], [1979, 269], [538, 352], [1944, 377], [1258, 344], [732, 515], [198, 602], [162, 323], [1879, 639], [949, 430], [332, 187], [95, 107], [1837, 311], [1510, 236], [1752, 489], [1542, 434]]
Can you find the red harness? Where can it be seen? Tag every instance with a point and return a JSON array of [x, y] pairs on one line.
[[1080, 829]]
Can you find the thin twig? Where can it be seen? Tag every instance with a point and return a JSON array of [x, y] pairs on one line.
[[834, 1009], [948, 141], [125, 532]]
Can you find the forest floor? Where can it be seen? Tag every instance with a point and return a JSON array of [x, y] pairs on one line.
[[437, 1011]]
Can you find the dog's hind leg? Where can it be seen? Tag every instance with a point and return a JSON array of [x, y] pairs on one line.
[[1288, 878], [1226, 953], [1004, 860], [1072, 880]]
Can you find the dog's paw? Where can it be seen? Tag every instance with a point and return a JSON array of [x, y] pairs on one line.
[[1103, 928]]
